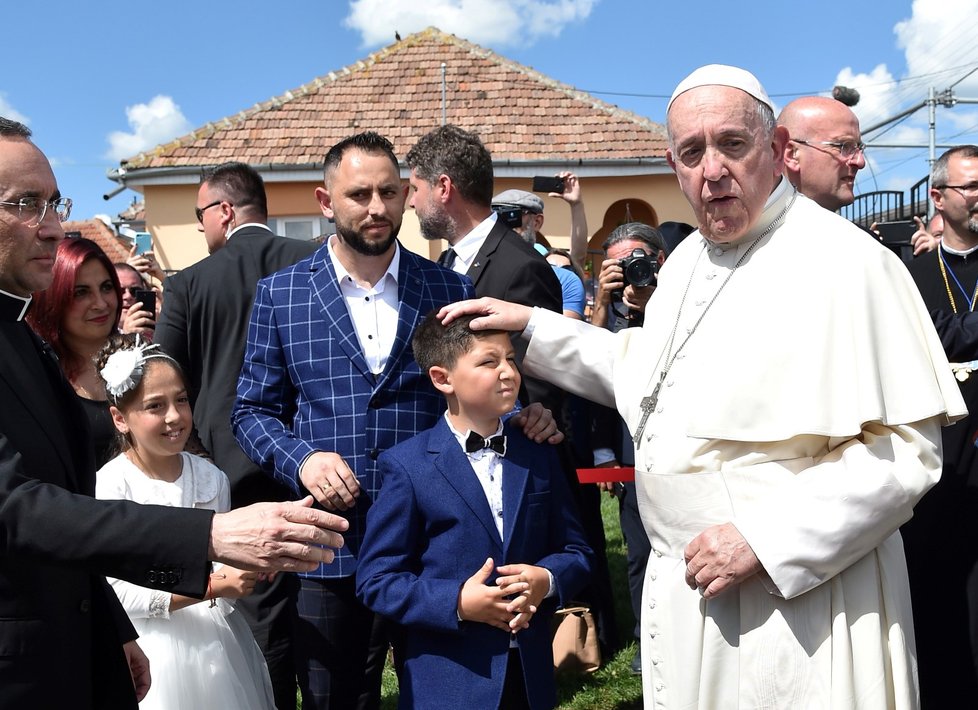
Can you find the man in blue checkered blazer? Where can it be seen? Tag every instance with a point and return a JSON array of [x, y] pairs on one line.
[[329, 382]]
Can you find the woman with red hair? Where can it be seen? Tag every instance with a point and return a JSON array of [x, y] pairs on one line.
[[76, 315]]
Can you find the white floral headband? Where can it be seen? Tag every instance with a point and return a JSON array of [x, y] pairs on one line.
[[124, 368]]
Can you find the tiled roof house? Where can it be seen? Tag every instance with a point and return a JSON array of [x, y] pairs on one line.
[[530, 123], [99, 232]]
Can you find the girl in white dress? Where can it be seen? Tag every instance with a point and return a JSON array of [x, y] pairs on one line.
[[201, 653]]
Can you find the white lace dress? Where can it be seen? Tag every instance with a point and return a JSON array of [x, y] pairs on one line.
[[201, 656]]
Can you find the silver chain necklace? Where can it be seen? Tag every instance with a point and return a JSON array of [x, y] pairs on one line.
[[648, 403]]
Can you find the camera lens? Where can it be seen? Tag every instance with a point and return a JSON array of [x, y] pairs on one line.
[[639, 272]]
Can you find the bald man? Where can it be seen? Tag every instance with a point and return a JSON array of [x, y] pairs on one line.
[[824, 151]]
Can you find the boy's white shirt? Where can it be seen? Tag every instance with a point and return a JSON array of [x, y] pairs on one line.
[[488, 469]]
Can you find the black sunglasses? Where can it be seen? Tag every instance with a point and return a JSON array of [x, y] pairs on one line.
[[199, 211]]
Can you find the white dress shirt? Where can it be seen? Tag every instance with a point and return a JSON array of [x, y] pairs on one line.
[[373, 309], [488, 469], [469, 245]]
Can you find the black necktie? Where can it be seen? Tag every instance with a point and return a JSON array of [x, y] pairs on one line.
[[475, 442], [447, 258]]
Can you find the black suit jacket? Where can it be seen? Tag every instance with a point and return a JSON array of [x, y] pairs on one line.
[[204, 326], [61, 625], [508, 268]]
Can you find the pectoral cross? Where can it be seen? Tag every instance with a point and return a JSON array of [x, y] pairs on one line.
[[648, 406]]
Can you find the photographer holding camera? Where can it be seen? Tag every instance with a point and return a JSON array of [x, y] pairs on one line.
[[633, 254]]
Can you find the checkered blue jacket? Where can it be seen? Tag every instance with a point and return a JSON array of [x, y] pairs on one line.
[[305, 385]]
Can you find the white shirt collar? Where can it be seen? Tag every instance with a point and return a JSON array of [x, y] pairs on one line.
[[468, 246], [959, 252], [342, 273], [461, 438], [248, 224]]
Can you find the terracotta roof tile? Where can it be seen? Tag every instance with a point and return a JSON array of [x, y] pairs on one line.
[[114, 246], [396, 91]]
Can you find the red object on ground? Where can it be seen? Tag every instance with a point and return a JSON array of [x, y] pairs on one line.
[[606, 475]]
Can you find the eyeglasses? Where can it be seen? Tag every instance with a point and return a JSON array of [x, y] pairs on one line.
[[199, 211], [133, 290], [968, 191], [847, 149], [31, 210]]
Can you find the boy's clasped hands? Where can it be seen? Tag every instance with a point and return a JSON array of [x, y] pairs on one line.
[[507, 605]]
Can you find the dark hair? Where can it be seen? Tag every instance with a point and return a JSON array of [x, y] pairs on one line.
[[567, 255], [367, 142], [129, 267], [49, 306], [440, 345], [128, 341], [449, 150], [10, 128], [938, 173], [636, 231], [239, 184]]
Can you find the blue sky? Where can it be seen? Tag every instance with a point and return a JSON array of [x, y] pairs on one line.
[[96, 81]]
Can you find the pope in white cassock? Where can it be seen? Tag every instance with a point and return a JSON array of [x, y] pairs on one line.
[[786, 396]]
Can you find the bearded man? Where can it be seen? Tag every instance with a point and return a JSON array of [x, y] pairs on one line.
[[329, 382]]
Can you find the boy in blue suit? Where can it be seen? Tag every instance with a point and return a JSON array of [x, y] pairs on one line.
[[473, 539]]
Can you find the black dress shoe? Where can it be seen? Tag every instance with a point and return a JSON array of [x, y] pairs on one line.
[[636, 664]]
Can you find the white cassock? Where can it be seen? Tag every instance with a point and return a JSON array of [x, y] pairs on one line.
[[806, 409]]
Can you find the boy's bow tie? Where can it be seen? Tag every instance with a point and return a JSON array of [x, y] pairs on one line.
[[476, 442]]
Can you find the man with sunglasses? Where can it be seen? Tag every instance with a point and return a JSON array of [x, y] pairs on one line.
[[203, 326], [138, 320], [824, 151]]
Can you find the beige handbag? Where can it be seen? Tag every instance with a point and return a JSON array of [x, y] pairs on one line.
[[576, 647]]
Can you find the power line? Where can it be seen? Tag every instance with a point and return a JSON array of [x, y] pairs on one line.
[[973, 66]]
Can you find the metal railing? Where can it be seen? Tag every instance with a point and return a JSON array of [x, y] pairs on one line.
[[889, 205], [879, 206]]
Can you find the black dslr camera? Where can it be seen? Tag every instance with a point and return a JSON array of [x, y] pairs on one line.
[[510, 215], [639, 269]]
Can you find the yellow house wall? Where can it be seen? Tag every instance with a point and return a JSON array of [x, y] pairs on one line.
[[178, 244], [170, 217]]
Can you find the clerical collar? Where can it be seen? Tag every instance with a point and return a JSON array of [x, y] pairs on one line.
[[959, 252], [775, 203], [13, 308]]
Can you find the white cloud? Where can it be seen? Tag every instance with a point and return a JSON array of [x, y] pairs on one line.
[[938, 39], [875, 90], [939, 48], [152, 123], [8, 111], [492, 22]]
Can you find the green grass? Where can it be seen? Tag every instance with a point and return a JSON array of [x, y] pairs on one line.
[[612, 687]]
